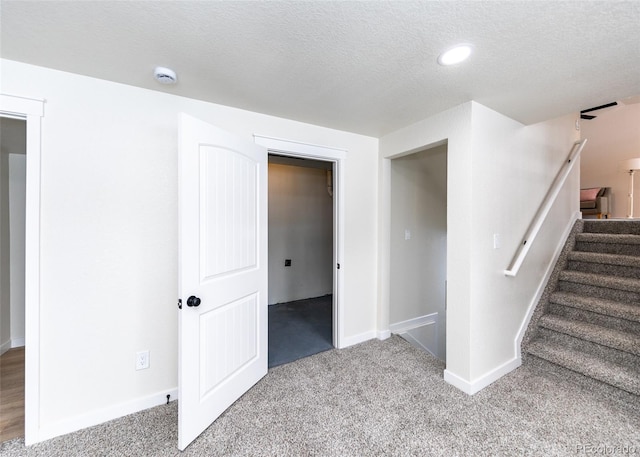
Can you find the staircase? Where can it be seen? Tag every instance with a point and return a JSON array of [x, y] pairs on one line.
[[588, 319]]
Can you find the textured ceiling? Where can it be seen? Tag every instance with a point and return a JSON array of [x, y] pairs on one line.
[[367, 67]]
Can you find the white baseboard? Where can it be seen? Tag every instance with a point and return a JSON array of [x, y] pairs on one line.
[[357, 339], [401, 327], [17, 342], [543, 283], [104, 415], [4, 347], [472, 387], [10, 344], [362, 337]]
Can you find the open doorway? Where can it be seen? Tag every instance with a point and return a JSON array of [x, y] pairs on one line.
[[301, 258], [336, 157], [12, 276], [30, 111], [418, 249], [613, 137]]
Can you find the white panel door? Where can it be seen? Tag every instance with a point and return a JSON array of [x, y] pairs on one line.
[[223, 273]]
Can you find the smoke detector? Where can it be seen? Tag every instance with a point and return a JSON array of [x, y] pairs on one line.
[[165, 75]]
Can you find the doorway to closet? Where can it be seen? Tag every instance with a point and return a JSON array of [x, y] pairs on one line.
[[12, 276], [301, 258]]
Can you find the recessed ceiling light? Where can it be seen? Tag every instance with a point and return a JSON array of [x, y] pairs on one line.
[[165, 75], [455, 55]]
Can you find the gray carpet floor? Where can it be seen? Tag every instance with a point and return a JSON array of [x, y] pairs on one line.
[[379, 398], [299, 329]]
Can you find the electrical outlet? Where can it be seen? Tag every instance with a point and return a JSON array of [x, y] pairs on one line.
[[142, 360]]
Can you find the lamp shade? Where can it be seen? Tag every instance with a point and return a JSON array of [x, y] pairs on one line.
[[630, 164]]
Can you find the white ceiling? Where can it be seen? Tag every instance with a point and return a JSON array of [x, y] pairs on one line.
[[367, 67]]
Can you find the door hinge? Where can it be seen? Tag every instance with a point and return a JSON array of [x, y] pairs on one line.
[[338, 266], [180, 303]]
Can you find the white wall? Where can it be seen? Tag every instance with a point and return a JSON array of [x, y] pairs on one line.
[[418, 264], [12, 197], [513, 168], [454, 127], [5, 295], [498, 173], [17, 194], [109, 236], [613, 136], [300, 229]]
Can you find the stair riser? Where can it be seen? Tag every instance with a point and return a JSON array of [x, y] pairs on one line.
[[617, 227], [602, 388], [600, 292], [604, 352], [594, 318], [608, 248], [603, 268]]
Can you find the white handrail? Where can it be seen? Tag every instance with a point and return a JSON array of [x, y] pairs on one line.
[[544, 209]]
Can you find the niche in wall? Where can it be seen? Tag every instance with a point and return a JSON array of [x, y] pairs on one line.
[[418, 257]]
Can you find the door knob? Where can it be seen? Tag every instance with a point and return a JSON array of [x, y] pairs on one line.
[[193, 301]]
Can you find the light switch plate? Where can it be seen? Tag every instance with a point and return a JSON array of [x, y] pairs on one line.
[[497, 241]]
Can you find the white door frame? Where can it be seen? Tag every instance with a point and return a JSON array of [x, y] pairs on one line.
[[32, 111], [337, 156]]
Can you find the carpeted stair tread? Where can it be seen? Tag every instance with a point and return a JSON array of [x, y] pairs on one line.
[[597, 305], [596, 387], [574, 343], [591, 279], [623, 341], [608, 238], [587, 324], [583, 315], [625, 378], [612, 226], [608, 259]]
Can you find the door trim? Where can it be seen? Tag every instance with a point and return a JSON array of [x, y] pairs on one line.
[[32, 111], [296, 149]]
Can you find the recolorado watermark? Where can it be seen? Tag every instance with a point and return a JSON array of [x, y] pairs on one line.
[[606, 449]]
